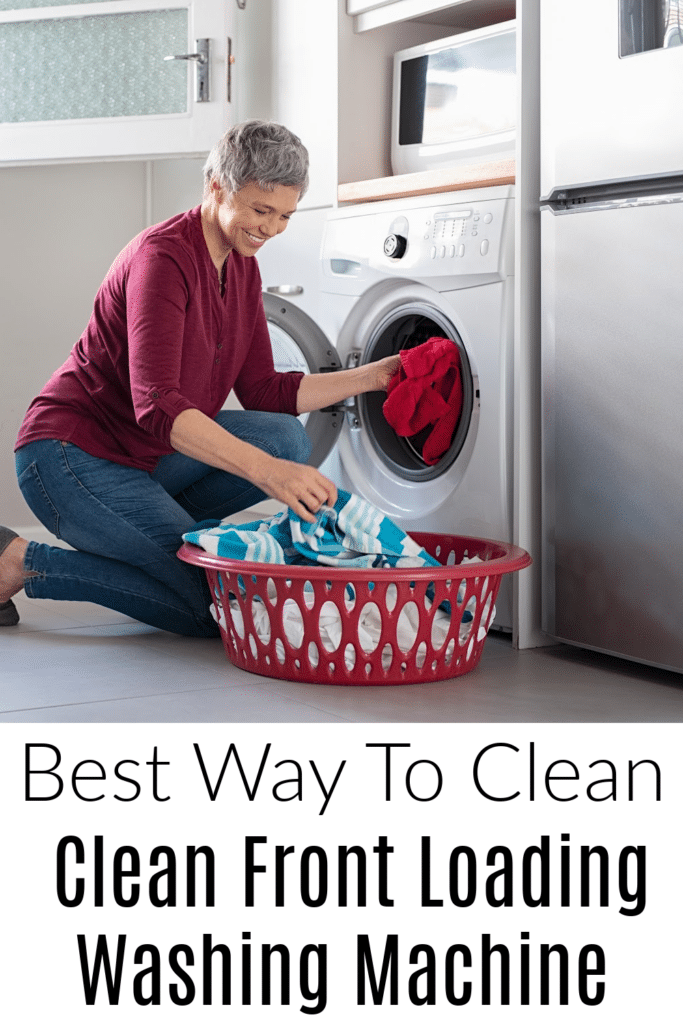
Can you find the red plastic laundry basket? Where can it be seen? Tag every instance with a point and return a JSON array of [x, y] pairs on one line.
[[305, 595]]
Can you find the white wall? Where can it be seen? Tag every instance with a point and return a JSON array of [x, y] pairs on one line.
[[254, 54], [174, 186], [62, 227]]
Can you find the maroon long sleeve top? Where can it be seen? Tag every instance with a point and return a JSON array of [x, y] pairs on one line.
[[161, 339]]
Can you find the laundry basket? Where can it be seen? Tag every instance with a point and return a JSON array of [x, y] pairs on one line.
[[313, 623]]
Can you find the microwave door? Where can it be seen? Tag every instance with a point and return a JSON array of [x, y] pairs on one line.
[[611, 90]]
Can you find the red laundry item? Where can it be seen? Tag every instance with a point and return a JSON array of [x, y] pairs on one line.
[[427, 391]]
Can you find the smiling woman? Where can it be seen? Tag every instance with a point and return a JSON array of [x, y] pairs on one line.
[[128, 444], [246, 219], [252, 185]]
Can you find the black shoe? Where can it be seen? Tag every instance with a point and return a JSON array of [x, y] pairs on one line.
[[9, 616]]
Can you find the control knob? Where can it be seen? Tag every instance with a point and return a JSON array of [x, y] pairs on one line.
[[395, 246]]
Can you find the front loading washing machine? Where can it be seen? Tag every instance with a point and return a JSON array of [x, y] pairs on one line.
[[393, 274]]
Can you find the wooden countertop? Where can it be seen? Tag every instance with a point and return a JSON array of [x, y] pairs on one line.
[[500, 172]]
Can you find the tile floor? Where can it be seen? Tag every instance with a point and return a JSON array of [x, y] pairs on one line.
[[74, 662]]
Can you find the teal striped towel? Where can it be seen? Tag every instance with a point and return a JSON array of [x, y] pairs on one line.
[[352, 533]]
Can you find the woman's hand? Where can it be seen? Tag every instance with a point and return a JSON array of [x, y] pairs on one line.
[[301, 488], [385, 370], [318, 390]]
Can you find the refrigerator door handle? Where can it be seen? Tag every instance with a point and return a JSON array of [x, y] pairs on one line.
[[616, 194]]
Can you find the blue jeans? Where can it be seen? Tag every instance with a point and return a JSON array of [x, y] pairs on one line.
[[126, 524]]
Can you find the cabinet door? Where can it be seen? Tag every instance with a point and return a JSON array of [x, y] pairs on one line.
[[89, 81]]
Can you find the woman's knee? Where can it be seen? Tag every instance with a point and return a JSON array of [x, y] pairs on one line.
[[291, 439], [277, 433]]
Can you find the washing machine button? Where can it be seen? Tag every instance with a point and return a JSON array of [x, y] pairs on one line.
[[484, 247], [432, 252], [451, 250], [488, 217], [395, 246], [461, 250], [442, 251]]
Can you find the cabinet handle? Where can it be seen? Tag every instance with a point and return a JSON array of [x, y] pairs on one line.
[[201, 59], [285, 289]]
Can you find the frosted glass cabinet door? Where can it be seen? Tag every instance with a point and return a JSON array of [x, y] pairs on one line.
[[89, 81]]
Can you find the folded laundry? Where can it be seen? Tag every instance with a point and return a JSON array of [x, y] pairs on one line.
[[427, 393]]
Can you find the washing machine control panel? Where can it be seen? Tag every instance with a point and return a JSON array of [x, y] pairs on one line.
[[459, 233], [453, 235], [456, 239]]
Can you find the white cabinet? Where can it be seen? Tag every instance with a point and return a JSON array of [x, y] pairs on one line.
[[287, 71], [305, 86], [359, 6], [460, 14]]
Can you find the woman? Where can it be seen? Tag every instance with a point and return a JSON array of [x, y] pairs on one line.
[[127, 446]]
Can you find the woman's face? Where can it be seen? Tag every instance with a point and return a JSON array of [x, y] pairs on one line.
[[250, 217]]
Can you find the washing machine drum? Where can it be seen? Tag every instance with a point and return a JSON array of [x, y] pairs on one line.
[[299, 344], [405, 327]]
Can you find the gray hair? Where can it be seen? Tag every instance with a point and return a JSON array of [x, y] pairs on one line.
[[260, 151]]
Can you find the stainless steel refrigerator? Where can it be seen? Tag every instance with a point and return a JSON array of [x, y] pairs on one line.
[[612, 326]]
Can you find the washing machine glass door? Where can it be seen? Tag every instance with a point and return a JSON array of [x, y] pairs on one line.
[[299, 344], [406, 326]]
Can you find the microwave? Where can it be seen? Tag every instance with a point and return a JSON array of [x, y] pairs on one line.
[[454, 101]]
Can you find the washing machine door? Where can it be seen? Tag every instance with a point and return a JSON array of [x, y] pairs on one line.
[[299, 344], [407, 325], [387, 469]]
